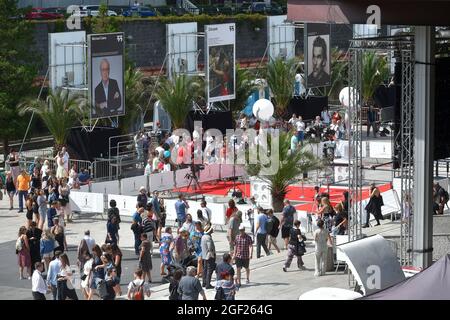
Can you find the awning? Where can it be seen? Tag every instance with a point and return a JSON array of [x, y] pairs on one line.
[[392, 12]]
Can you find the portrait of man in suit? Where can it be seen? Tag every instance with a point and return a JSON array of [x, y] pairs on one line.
[[108, 99], [318, 75]]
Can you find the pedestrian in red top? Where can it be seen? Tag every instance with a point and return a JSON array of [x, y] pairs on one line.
[[243, 252], [230, 210]]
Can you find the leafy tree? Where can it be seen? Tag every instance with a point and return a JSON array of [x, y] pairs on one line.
[[18, 68], [375, 71], [281, 80], [60, 111], [244, 87], [177, 97], [103, 23]]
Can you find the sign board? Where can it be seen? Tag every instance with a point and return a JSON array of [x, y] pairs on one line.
[[87, 202], [317, 55]]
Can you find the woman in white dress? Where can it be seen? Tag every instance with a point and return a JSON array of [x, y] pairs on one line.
[[60, 171], [87, 276]]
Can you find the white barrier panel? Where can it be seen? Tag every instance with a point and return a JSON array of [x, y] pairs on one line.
[[87, 202], [161, 181], [125, 204], [342, 150], [260, 190], [240, 171], [211, 172], [130, 186], [379, 149], [226, 171], [111, 187], [180, 177], [171, 214], [391, 204]]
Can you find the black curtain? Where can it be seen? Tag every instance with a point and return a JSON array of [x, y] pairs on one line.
[[308, 108], [221, 120]]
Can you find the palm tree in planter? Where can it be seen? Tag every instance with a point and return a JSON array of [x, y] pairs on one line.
[[281, 81], [60, 111], [375, 71], [244, 88], [177, 97], [290, 169]]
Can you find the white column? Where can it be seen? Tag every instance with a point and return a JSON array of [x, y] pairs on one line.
[[423, 145]]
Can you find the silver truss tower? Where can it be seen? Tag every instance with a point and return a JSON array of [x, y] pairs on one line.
[[404, 46]]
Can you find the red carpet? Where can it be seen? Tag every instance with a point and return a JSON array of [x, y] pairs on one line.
[[295, 193]]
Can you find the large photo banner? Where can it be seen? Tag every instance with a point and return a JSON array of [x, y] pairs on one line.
[[220, 42], [317, 55], [106, 73]]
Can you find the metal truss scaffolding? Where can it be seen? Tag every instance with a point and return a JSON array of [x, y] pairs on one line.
[[402, 46]]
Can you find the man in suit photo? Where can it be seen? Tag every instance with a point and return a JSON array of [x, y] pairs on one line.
[[108, 99], [318, 76]]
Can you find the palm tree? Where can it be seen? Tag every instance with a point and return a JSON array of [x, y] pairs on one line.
[[136, 97], [244, 87], [339, 74], [177, 97], [375, 71], [60, 111], [281, 80], [291, 166]]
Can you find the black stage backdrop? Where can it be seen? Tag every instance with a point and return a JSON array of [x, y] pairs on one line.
[[308, 108], [85, 145], [221, 120]]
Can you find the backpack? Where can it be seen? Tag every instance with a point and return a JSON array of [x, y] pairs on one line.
[[445, 195], [102, 289], [269, 225], [138, 292], [220, 294], [19, 245]]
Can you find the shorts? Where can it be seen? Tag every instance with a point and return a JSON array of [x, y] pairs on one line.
[[242, 263], [285, 232], [29, 215], [47, 255]]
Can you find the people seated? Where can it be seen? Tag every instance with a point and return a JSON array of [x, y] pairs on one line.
[[84, 177]]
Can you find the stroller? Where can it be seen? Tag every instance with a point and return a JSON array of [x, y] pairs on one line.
[[191, 260]]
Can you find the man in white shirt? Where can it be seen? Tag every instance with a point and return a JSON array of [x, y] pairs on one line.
[[148, 168], [66, 158], [89, 240], [300, 126], [38, 286], [206, 212], [292, 121]]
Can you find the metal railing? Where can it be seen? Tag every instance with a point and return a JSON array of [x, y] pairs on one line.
[[190, 7]]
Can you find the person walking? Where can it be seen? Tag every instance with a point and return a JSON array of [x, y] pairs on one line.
[[296, 247], [47, 245], [86, 275], [10, 189], [29, 208], [195, 240], [273, 228], [23, 253], [138, 288], [321, 239], [287, 222], [165, 247], [189, 287], [113, 211], [180, 207], [243, 252], [181, 249], [261, 234], [53, 270], [38, 286], [34, 240], [145, 258], [64, 279], [374, 206], [208, 256], [227, 286], [206, 212], [22, 186], [97, 274], [111, 231], [136, 227], [233, 229], [149, 226], [142, 197]]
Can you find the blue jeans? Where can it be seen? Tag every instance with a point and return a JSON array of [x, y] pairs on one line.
[[300, 136], [137, 242], [23, 194]]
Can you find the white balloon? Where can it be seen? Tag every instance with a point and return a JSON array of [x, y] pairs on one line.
[[344, 97], [263, 109]]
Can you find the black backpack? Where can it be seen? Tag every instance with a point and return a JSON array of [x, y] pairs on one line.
[[220, 294]]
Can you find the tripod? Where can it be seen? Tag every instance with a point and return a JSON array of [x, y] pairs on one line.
[[193, 180], [234, 172]]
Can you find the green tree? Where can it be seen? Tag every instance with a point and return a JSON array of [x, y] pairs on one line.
[[281, 80], [18, 68], [244, 87], [177, 97], [137, 93], [60, 111], [103, 23], [375, 71], [291, 167]]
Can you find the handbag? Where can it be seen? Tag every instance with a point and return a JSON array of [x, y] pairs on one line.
[[301, 248]]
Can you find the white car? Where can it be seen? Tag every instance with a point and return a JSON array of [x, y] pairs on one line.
[[91, 11]]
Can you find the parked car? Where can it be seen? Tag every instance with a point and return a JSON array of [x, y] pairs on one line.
[[92, 11], [263, 8], [41, 14], [139, 11]]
